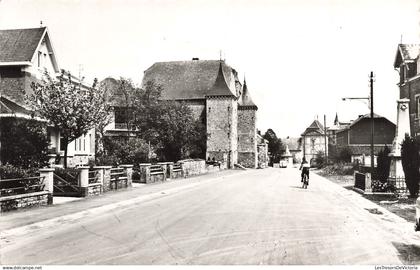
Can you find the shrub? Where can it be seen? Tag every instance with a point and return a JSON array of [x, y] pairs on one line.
[[124, 151], [344, 154], [339, 169], [384, 162], [320, 160], [27, 185], [410, 162], [24, 142], [11, 172], [378, 186]]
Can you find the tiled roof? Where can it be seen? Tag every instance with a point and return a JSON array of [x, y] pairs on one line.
[[315, 127], [406, 52], [182, 80], [410, 51], [246, 100], [19, 45]]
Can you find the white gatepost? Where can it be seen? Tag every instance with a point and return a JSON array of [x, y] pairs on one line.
[[84, 180], [48, 179]]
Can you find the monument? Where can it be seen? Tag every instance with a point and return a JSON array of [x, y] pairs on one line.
[[396, 172]]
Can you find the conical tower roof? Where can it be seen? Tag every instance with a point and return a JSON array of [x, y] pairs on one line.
[[220, 87], [246, 101]]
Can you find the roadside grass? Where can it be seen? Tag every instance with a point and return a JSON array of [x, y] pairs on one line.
[[402, 207]]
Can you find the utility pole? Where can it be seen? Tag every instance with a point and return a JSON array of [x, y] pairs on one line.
[[372, 128]]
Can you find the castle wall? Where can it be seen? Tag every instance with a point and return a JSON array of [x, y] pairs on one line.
[[247, 138], [197, 107], [222, 134]]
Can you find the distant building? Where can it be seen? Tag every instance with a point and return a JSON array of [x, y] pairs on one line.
[[24, 56], [295, 148], [213, 91], [357, 136], [407, 63], [332, 131], [314, 141]]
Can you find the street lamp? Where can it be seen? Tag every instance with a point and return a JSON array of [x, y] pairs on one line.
[[372, 129]]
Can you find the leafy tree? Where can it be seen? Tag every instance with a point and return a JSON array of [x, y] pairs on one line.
[[275, 145], [68, 105], [384, 162], [344, 154], [30, 149], [411, 161], [169, 125], [124, 150], [118, 95]]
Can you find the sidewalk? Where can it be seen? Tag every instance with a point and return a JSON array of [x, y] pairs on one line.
[[105, 202]]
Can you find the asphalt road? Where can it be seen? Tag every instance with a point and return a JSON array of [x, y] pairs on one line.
[[256, 217]]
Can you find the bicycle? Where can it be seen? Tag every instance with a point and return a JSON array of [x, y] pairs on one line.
[[305, 181]]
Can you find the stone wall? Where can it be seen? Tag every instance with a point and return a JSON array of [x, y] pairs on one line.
[[248, 159], [193, 167], [24, 200], [94, 189], [222, 133], [247, 138], [198, 107]]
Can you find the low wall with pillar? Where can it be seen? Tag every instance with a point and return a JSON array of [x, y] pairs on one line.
[[121, 178], [29, 200]]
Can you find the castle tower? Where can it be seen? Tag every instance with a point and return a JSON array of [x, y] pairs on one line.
[[247, 130], [222, 123]]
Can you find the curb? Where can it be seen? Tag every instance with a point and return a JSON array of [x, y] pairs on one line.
[[70, 218]]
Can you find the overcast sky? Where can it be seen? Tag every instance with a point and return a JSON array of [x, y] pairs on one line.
[[299, 57]]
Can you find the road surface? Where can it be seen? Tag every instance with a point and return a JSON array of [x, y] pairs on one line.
[[255, 217]]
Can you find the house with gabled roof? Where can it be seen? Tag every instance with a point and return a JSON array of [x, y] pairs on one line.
[[25, 54], [357, 137], [212, 90], [314, 141], [407, 63]]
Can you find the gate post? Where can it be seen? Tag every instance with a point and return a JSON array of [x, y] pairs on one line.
[[48, 175], [83, 180], [128, 169]]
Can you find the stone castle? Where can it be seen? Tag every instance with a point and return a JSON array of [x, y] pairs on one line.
[[212, 90]]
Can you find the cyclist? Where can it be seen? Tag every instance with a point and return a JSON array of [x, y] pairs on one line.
[[304, 166]]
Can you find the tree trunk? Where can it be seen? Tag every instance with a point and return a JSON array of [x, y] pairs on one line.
[[66, 142]]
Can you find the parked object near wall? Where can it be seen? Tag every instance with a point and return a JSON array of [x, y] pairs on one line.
[[363, 182]]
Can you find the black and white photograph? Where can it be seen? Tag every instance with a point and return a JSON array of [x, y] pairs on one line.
[[139, 133]]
